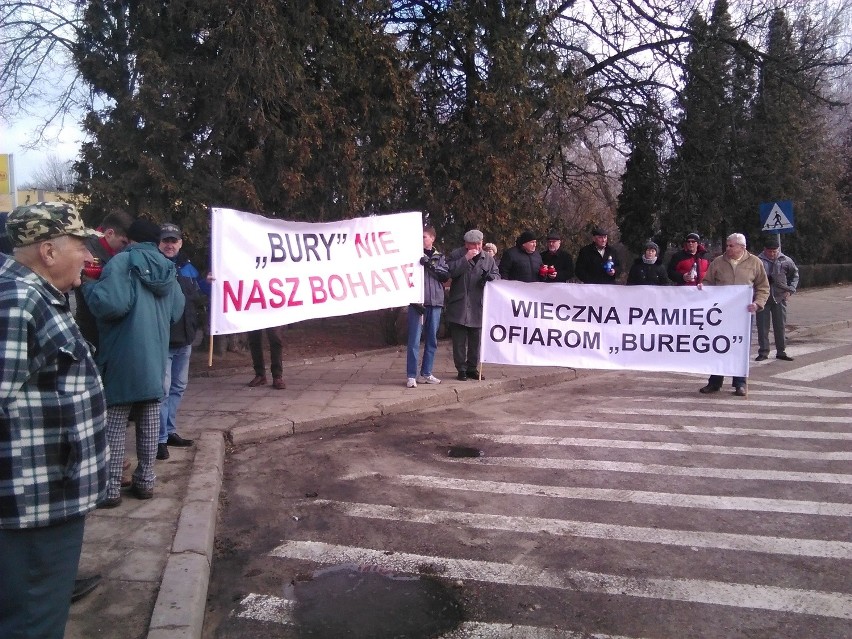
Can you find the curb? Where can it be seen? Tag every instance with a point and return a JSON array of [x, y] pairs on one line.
[[181, 601]]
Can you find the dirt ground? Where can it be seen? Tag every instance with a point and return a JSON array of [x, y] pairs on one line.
[[324, 337]]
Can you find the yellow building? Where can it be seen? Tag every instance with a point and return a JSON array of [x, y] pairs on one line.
[[30, 196]]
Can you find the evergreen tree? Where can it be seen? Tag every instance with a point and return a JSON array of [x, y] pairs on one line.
[[640, 201]]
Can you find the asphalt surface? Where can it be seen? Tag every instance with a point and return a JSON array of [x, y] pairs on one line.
[[155, 556]]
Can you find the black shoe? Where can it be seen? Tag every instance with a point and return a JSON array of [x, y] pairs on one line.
[[110, 502], [141, 493], [784, 356], [708, 389], [474, 374], [462, 376], [760, 358], [740, 391], [84, 586], [178, 441], [162, 451]]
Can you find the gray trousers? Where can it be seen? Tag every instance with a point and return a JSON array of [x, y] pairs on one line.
[[777, 313], [465, 346]]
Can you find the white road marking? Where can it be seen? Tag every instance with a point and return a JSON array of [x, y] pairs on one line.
[[783, 453], [777, 404], [593, 530], [772, 415], [278, 610], [266, 608], [774, 388], [654, 469], [714, 502], [751, 596], [711, 430], [821, 370]]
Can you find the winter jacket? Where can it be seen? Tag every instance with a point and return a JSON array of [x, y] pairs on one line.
[[562, 262], [590, 265], [464, 305], [783, 276], [517, 264], [135, 301], [435, 274], [182, 332], [85, 320], [682, 262], [651, 274], [749, 271]]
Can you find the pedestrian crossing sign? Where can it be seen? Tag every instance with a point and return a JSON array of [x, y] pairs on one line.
[[777, 217]]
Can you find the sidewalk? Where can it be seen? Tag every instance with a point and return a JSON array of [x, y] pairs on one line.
[[155, 556]]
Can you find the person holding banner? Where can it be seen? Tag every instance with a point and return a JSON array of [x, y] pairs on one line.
[[647, 269], [471, 269], [736, 266], [426, 316], [560, 265], [597, 263], [255, 341]]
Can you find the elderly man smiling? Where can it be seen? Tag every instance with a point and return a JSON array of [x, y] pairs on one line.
[[737, 266]]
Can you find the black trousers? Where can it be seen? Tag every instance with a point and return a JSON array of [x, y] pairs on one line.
[[465, 346], [255, 340]]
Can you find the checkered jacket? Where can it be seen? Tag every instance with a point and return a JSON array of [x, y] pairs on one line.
[[52, 411]]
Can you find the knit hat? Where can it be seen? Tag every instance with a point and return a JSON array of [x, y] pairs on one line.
[[772, 242], [523, 238], [143, 231], [652, 245]]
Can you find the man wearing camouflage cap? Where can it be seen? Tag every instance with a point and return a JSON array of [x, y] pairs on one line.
[[52, 424]]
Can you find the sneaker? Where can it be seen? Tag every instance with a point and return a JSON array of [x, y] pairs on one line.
[[740, 391], [411, 383], [760, 358], [784, 356], [162, 451], [706, 390], [429, 379]]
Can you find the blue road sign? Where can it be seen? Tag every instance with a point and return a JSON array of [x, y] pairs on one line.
[[777, 217]]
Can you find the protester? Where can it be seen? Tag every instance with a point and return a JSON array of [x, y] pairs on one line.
[[560, 266], [135, 301], [51, 397], [114, 228], [491, 249], [426, 317], [737, 266], [689, 265], [255, 341], [471, 269], [597, 263], [783, 276], [522, 262], [181, 337], [646, 268]]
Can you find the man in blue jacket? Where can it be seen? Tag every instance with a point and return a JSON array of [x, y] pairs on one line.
[[135, 301]]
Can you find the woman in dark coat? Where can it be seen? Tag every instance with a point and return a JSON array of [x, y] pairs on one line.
[[647, 269]]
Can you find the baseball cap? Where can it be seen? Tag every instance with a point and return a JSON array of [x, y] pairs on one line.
[[170, 230], [44, 221]]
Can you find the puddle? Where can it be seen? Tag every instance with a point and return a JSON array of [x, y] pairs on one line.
[[464, 451], [366, 602]]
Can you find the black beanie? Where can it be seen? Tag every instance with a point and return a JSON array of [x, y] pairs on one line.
[[143, 231], [523, 238]]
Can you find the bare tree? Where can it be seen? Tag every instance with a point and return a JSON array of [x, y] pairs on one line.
[[53, 175], [37, 72]]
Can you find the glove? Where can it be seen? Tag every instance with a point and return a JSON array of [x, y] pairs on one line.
[[486, 277], [424, 261]]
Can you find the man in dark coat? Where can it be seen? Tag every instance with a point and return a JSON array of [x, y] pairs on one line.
[[558, 258], [597, 263], [522, 262]]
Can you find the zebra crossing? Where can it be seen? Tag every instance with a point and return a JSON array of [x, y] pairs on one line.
[[675, 512]]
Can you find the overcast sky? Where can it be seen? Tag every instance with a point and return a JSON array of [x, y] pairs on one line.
[[64, 144]]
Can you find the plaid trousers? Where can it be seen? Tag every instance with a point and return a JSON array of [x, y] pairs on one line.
[[147, 434]]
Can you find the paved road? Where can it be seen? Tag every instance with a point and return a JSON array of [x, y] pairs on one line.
[[620, 504]]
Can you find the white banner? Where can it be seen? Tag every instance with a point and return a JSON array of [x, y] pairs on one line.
[[273, 272], [643, 328]]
